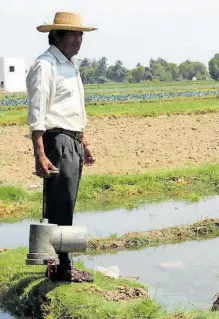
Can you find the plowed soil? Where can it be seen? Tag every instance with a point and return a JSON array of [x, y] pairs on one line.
[[122, 145]]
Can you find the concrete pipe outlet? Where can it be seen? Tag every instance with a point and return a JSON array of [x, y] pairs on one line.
[[46, 241]]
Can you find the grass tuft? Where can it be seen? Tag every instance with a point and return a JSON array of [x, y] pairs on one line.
[[105, 192], [199, 231], [25, 293]]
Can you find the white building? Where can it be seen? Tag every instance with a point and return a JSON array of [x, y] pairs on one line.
[[13, 74]]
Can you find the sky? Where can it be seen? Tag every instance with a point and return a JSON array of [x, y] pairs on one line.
[[131, 31]]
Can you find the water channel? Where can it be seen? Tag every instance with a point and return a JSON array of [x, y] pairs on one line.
[[178, 275], [121, 221]]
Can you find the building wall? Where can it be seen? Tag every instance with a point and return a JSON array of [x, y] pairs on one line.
[[14, 74], [2, 74]]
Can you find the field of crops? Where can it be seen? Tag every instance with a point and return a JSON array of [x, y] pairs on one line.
[[143, 99], [125, 92]]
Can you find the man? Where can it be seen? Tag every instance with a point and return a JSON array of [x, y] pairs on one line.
[[57, 120]]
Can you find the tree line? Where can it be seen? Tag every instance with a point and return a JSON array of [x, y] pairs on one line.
[[98, 71]]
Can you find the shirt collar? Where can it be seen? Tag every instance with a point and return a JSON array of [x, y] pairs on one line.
[[58, 54], [61, 58]]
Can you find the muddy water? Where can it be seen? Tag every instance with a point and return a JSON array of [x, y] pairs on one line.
[[121, 221], [178, 275]]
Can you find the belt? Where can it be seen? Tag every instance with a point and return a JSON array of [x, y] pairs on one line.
[[76, 135]]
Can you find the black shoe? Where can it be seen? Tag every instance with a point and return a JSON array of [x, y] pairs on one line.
[[57, 273]]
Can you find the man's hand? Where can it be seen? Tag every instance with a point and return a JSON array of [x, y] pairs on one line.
[[43, 165], [89, 158]]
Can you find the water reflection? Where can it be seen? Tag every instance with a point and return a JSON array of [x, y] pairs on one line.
[[121, 221], [147, 217], [4, 315], [193, 284]]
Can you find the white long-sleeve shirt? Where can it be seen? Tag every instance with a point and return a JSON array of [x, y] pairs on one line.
[[56, 93]]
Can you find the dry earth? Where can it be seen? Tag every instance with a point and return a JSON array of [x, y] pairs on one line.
[[123, 293], [122, 145]]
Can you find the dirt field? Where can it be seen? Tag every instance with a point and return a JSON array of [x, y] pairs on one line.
[[122, 145]]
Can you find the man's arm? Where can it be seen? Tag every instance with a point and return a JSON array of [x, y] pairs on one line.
[[39, 85], [88, 152], [37, 139], [42, 163]]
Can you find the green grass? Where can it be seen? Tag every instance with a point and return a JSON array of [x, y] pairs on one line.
[[17, 203], [110, 88], [203, 230], [189, 184], [104, 192], [154, 108], [128, 108], [152, 85], [24, 292], [13, 116], [11, 194], [6, 95]]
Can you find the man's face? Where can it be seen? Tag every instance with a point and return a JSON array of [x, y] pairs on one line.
[[70, 43]]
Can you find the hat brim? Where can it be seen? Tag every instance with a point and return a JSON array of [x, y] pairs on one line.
[[50, 27]]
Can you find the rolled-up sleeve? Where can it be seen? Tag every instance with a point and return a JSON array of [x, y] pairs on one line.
[[38, 87]]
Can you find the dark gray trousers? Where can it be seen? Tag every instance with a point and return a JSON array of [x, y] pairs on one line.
[[60, 191]]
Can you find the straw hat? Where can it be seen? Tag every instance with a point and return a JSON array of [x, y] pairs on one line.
[[66, 21]]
